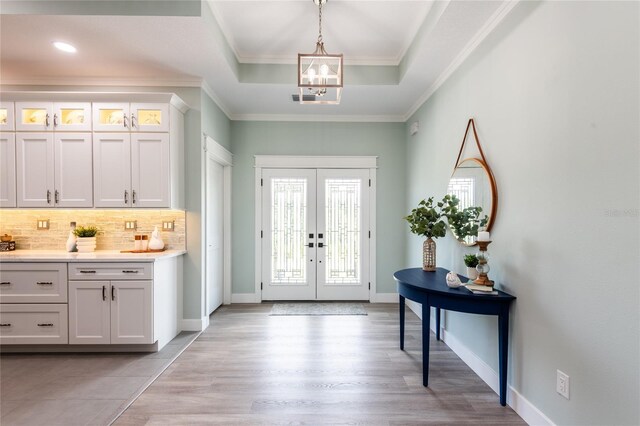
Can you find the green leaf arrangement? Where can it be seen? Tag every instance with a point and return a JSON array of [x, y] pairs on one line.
[[471, 260], [85, 231]]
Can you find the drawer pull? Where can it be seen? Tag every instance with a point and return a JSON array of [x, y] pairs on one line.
[[5, 324], [87, 272], [44, 283], [5, 283], [46, 324], [129, 272]]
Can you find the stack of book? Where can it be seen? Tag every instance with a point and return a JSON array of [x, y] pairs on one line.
[[481, 289]]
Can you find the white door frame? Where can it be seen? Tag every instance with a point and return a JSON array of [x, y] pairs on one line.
[[314, 162], [216, 152]]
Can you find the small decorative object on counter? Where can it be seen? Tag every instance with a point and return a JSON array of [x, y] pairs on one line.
[[156, 242], [6, 244], [5, 238], [86, 238], [453, 281], [483, 267], [145, 243], [71, 241], [137, 245], [471, 261]]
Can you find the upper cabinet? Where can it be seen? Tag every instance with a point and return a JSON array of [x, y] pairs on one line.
[[7, 169], [134, 117], [7, 117], [45, 116]]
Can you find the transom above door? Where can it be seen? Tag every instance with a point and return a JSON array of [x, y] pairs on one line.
[[315, 234]]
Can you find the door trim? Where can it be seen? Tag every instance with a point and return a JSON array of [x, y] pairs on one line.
[[216, 152], [313, 162]]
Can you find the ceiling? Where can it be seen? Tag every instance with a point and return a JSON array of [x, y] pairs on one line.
[[243, 52]]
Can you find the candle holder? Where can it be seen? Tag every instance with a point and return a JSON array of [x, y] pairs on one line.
[[483, 266]]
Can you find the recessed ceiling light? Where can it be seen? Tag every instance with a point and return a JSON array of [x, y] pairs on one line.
[[65, 47]]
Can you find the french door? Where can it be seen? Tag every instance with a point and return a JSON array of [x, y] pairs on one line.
[[315, 234]]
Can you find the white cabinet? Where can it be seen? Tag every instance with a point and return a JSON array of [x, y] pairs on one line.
[[33, 283], [149, 117], [111, 312], [111, 117], [7, 117], [34, 116], [33, 324], [134, 117], [7, 170], [54, 170], [72, 116], [131, 170]]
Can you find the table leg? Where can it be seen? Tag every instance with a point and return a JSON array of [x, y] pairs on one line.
[[437, 323], [426, 328], [402, 323], [503, 348]]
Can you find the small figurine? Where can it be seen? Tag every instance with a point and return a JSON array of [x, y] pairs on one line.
[[453, 281], [156, 242]]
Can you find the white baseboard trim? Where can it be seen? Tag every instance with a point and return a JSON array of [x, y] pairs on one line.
[[195, 324], [384, 298], [245, 298], [525, 409]]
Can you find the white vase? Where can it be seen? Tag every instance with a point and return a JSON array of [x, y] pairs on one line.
[[86, 244], [472, 273]]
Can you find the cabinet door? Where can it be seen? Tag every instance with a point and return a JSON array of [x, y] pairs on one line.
[[150, 170], [34, 167], [111, 117], [7, 118], [131, 312], [7, 170], [89, 313], [72, 116], [150, 117], [73, 170], [34, 116], [112, 170]]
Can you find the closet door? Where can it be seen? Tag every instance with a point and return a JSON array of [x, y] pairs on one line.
[[35, 169], [7, 170], [73, 170], [112, 170]]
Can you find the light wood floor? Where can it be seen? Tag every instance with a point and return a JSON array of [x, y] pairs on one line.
[[252, 368]]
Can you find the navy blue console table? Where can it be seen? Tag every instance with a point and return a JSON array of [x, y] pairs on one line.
[[430, 289]]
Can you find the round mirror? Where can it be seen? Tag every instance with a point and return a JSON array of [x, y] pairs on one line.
[[472, 182]]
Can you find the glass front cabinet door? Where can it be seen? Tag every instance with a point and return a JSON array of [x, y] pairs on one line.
[[34, 116], [72, 116], [7, 120], [111, 117], [150, 117]]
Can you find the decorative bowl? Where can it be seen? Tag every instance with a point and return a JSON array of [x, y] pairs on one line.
[[5, 238]]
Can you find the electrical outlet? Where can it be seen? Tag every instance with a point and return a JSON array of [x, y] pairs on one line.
[[42, 224], [562, 383], [130, 225], [169, 226]]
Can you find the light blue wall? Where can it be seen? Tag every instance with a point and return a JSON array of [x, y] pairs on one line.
[[386, 140], [554, 91]]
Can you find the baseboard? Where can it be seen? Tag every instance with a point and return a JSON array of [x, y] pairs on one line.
[[195, 324], [525, 409], [384, 298], [245, 298]]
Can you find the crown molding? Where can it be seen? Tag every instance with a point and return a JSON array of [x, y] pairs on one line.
[[100, 81], [320, 118], [216, 99], [475, 41]]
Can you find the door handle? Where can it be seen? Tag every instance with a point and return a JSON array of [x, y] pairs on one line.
[[124, 121], [46, 120], [55, 120], [104, 292], [133, 121], [48, 197], [113, 293], [133, 196], [126, 196], [56, 196]]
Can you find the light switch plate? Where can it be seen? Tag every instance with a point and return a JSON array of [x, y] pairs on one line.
[[562, 383], [169, 226], [43, 224], [130, 225]]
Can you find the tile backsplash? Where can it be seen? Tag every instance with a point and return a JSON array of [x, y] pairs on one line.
[[21, 224]]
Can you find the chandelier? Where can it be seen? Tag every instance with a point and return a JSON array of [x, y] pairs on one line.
[[320, 73]]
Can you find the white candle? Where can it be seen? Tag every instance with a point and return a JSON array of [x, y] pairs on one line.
[[484, 236]]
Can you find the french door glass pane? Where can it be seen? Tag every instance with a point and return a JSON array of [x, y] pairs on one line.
[[343, 228], [288, 231]]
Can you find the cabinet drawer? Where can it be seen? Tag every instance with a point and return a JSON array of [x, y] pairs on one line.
[[33, 283], [111, 271], [33, 324]]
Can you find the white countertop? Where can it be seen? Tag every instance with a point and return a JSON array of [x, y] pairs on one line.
[[96, 256]]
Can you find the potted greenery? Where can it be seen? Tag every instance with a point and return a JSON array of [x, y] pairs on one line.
[[471, 260], [86, 241], [428, 220]]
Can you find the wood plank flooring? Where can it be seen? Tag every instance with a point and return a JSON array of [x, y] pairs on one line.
[[252, 368]]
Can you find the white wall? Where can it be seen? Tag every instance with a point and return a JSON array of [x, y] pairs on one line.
[[555, 94]]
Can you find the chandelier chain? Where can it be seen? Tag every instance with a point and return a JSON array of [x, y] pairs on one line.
[[320, 22]]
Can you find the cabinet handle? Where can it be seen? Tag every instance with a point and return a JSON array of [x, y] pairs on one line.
[[45, 324], [87, 272], [56, 196], [133, 121], [5, 324], [5, 283], [48, 197], [133, 196], [46, 120], [126, 197], [129, 272], [104, 292], [55, 120], [44, 283], [126, 125], [113, 293]]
